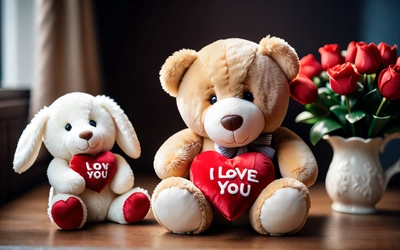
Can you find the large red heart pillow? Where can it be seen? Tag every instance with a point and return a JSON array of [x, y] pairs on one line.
[[231, 185], [97, 171]]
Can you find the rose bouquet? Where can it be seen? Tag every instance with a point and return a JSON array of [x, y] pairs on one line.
[[350, 93]]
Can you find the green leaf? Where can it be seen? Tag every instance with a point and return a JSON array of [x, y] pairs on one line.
[[322, 128], [317, 109], [307, 117], [377, 124], [355, 116], [356, 97], [372, 100], [340, 112], [327, 98]]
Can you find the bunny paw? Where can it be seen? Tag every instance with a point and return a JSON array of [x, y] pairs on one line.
[[68, 212], [130, 207], [136, 207]]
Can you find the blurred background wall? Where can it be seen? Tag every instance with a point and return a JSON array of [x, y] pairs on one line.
[[135, 38]]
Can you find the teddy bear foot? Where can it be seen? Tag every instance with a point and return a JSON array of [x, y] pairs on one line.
[[130, 207], [68, 212], [281, 208], [181, 207]]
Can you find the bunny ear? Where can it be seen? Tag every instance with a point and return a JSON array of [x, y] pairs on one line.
[[283, 54], [30, 142], [172, 71], [126, 136]]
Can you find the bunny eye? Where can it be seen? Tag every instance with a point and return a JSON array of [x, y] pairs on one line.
[[92, 123], [68, 127]]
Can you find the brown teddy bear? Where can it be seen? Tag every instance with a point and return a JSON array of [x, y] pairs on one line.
[[233, 95]]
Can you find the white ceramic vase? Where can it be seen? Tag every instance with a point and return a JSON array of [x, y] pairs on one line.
[[355, 181]]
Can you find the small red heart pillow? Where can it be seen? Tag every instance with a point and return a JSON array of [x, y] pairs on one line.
[[97, 171], [231, 185]]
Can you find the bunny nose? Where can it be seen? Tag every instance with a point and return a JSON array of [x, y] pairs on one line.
[[86, 135], [232, 122]]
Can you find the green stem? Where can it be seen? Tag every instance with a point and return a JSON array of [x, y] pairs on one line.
[[372, 130], [365, 81], [353, 131], [380, 106]]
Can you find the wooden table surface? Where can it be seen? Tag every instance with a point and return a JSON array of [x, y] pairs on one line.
[[24, 224]]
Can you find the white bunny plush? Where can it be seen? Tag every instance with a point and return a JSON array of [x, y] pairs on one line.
[[88, 182]]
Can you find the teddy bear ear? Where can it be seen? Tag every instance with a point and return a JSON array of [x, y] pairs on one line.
[[172, 71], [126, 137], [30, 142], [283, 54]]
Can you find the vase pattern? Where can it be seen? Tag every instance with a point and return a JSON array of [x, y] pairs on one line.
[[355, 180]]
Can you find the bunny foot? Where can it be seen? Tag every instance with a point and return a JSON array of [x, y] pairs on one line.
[[68, 212], [281, 208], [181, 207], [130, 207]]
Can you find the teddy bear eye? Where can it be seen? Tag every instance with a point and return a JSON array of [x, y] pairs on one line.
[[68, 127], [213, 99], [92, 123], [248, 96]]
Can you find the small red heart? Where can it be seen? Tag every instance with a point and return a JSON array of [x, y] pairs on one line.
[[136, 207], [97, 171], [231, 185], [68, 215]]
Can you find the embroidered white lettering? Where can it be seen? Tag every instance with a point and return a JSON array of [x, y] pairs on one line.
[[90, 173], [97, 166], [251, 175], [222, 186], [242, 192], [241, 174], [87, 166], [97, 174], [233, 188]]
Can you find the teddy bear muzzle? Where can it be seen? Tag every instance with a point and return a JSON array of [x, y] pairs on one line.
[[234, 122]]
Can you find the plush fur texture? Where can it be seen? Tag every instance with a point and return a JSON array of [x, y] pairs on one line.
[[228, 79], [81, 124]]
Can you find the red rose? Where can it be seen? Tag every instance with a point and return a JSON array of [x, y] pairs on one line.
[[343, 78], [351, 52], [330, 56], [398, 61], [389, 82], [310, 66], [303, 90], [368, 58], [388, 54]]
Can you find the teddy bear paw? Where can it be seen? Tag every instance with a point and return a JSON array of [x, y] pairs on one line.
[[68, 212], [284, 211], [180, 206], [130, 207]]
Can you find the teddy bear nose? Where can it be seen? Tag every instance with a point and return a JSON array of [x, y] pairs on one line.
[[86, 135], [232, 122]]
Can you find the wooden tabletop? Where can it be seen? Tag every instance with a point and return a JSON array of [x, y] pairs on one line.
[[24, 224]]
